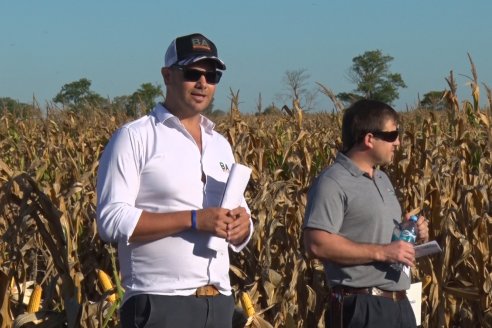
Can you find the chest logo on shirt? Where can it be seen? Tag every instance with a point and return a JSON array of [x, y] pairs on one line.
[[224, 167]]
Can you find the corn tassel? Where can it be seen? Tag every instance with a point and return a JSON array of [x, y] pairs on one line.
[[105, 282], [35, 300], [247, 305]]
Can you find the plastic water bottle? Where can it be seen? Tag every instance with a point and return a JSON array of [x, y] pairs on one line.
[[396, 231], [406, 231]]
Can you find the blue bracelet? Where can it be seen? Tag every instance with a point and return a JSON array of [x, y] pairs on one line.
[[193, 219]]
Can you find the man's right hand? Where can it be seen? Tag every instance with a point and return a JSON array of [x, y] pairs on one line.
[[399, 252], [213, 220]]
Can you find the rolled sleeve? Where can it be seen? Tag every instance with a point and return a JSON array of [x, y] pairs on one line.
[[238, 248], [116, 222]]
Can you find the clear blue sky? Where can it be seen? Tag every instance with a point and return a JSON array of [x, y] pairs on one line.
[[119, 45]]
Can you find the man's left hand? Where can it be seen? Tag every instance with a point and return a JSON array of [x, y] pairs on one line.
[[238, 230]]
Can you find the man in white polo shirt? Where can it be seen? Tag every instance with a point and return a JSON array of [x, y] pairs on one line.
[[159, 187]]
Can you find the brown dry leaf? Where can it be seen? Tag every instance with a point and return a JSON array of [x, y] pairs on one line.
[[470, 293], [238, 272]]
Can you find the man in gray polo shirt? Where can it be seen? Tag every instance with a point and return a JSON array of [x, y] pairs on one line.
[[349, 223]]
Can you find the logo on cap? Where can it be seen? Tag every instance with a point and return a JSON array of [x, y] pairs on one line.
[[200, 44]]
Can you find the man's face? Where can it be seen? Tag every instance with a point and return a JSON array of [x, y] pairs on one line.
[[384, 146], [190, 90]]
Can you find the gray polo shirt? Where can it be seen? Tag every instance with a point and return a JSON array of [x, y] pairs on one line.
[[344, 200]]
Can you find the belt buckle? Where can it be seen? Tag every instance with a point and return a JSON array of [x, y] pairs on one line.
[[376, 291], [206, 291], [379, 292], [395, 296]]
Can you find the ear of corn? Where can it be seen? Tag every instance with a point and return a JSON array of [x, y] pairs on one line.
[[247, 305], [106, 285], [35, 300]]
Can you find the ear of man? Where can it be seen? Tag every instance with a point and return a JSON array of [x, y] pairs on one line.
[[368, 141]]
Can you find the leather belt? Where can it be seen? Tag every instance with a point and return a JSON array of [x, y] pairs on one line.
[[207, 291], [374, 291]]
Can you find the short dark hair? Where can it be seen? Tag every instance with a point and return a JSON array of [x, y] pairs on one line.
[[362, 117]]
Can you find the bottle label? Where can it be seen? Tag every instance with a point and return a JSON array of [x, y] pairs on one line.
[[408, 236]]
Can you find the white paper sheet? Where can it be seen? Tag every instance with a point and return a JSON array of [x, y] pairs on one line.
[[428, 248], [233, 195], [425, 249], [414, 295]]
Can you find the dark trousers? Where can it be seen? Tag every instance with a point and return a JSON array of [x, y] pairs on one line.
[[368, 311], [152, 311]]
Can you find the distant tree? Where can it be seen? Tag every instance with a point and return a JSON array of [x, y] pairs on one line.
[[272, 110], [370, 72], [18, 108], [433, 100], [144, 99], [296, 88], [217, 113], [10, 105], [78, 93], [120, 104], [349, 97]]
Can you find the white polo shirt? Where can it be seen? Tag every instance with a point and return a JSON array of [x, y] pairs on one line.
[[154, 164]]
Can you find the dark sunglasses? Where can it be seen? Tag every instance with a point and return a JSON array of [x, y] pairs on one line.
[[388, 136], [193, 75]]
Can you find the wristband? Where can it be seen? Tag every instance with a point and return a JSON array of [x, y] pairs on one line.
[[193, 219]]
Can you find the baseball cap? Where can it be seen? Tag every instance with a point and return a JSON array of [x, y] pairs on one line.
[[189, 49]]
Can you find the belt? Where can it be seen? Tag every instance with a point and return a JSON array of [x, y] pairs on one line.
[[374, 291], [207, 291]]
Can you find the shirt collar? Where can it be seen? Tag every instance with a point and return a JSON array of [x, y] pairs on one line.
[[162, 115], [350, 166]]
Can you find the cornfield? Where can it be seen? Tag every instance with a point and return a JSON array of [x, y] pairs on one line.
[[50, 250]]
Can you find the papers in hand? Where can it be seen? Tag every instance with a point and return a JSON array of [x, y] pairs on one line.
[[236, 184], [425, 249], [428, 248], [232, 197]]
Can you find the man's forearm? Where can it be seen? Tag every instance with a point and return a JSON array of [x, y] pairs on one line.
[[328, 246], [152, 226]]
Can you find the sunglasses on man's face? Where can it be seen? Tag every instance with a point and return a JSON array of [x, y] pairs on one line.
[[388, 136], [193, 75]]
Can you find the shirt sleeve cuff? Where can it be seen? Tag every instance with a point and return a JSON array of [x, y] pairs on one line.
[[128, 225], [238, 248]]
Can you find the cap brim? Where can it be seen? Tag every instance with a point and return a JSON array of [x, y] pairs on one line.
[[220, 63]]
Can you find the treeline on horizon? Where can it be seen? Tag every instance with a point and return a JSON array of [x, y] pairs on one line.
[[370, 73]]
